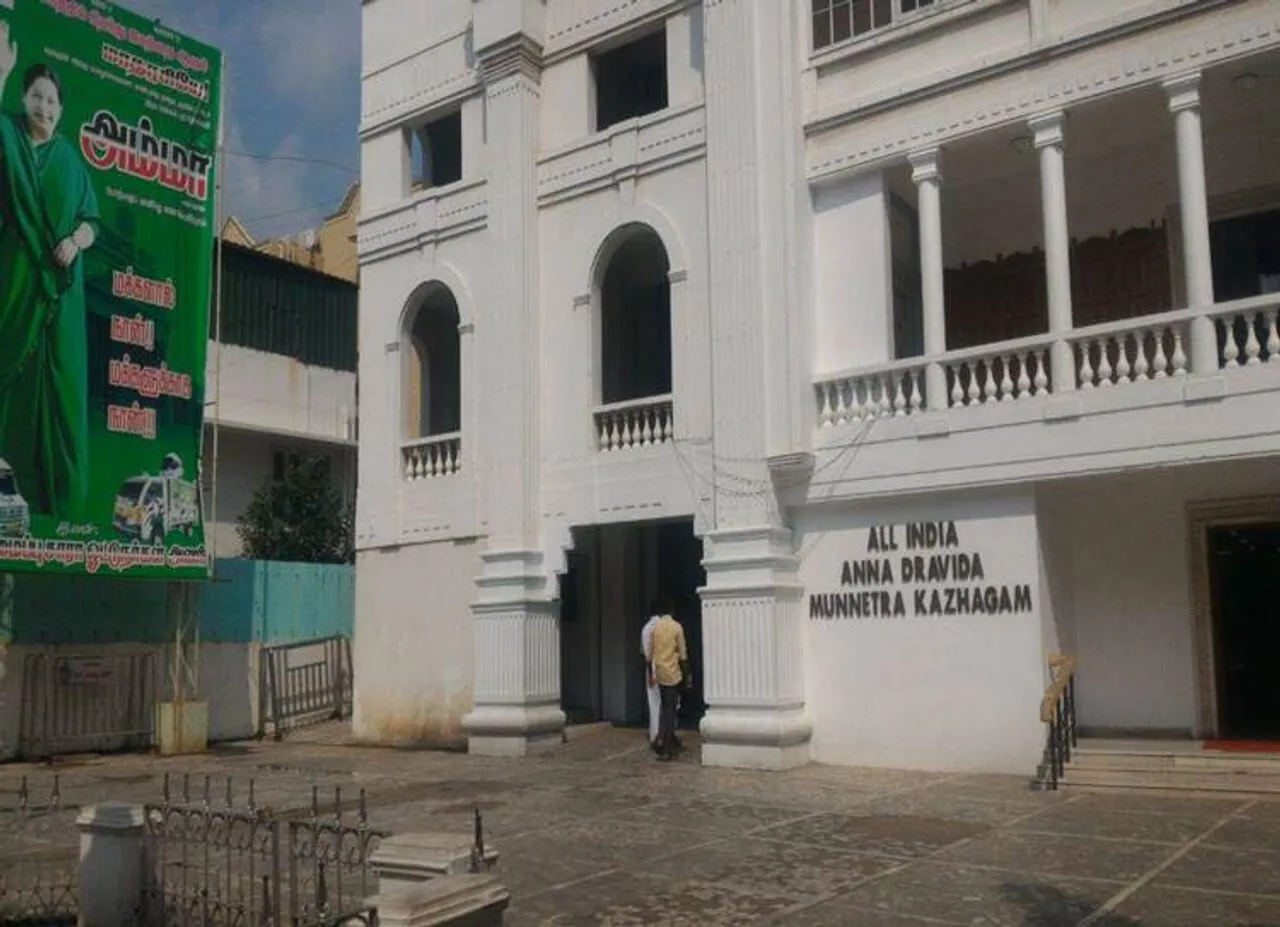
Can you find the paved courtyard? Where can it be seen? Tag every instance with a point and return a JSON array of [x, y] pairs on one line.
[[599, 833]]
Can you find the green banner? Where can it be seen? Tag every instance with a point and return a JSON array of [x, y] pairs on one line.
[[108, 125]]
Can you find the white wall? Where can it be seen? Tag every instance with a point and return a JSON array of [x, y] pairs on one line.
[[414, 642], [272, 392], [957, 692], [1124, 551], [396, 29], [852, 275]]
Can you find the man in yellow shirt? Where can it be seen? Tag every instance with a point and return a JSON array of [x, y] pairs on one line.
[[669, 668]]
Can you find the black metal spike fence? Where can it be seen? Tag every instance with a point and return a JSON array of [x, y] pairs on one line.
[[38, 857], [219, 863]]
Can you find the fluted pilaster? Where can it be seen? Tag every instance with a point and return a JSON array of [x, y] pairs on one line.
[[753, 652], [517, 633], [752, 633]]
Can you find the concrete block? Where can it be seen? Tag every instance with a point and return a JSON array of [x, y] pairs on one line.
[[469, 900], [411, 859]]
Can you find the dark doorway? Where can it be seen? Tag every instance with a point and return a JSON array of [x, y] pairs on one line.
[[613, 574], [1244, 574]]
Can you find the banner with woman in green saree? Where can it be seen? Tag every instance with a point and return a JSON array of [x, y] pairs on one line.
[[108, 123]]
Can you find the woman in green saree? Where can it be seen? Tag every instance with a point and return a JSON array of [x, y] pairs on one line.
[[47, 220]]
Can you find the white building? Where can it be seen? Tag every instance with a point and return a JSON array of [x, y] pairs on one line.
[[727, 299]]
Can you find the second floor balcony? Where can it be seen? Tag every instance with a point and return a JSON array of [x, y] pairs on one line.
[[1078, 255]]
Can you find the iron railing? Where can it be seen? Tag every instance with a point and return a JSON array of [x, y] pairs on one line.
[[219, 864], [1058, 712], [303, 682], [38, 886]]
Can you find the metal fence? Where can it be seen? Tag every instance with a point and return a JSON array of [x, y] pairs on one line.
[[82, 703], [217, 863], [38, 877], [303, 682]]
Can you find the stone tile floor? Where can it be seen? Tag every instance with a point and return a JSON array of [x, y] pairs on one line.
[[599, 833]]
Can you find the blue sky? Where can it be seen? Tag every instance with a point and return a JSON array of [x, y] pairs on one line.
[[293, 95]]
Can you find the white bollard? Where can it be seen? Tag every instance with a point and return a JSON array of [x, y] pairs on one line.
[[112, 864]]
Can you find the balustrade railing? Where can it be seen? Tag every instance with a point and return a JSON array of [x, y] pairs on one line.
[[634, 423], [438, 455], [1133, 350], [1248, 333], [1012, 370], [882, 392], [1130, 351]]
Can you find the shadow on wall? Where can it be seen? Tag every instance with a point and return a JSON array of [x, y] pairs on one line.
[[249, 602]]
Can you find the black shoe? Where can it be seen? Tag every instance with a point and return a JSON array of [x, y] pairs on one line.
[[664, 757]]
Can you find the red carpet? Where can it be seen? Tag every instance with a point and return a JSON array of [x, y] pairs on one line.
[[1243, 746]]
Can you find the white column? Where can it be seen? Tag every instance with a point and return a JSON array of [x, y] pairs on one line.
[[1193, 200], [112, 864], [751, 626], [1047, 131], [926, 172], [517, 624]]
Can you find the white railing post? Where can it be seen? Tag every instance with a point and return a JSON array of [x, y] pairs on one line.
[[113, 869], [1193, 204]]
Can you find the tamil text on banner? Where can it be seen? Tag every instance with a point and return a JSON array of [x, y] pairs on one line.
[[108, 126]]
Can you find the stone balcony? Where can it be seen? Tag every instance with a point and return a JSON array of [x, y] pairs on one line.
[[1243, 333]]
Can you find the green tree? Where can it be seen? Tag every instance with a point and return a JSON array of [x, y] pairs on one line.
[[299, 518]]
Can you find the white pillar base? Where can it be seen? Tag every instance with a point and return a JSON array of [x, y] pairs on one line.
[[752, 645], [517, 687], [770, 739], [509, 730]]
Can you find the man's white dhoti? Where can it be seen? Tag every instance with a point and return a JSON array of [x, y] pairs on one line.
[[655, 703]]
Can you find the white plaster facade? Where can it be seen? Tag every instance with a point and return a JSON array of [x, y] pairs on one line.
[[856, 342]]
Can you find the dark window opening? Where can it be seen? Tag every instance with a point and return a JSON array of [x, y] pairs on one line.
[[282, 462], [631, 80], [436, 152], [635, 337], [435, 389], [1246, 256]]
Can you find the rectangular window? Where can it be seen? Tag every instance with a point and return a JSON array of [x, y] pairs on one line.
[[835, 21], [435, 152], [631, 80]]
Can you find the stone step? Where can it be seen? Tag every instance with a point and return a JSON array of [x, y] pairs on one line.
[[1159, 760], [1173, 779]]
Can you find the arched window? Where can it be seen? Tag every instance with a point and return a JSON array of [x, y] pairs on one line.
[[635, 318], [433, 399]]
